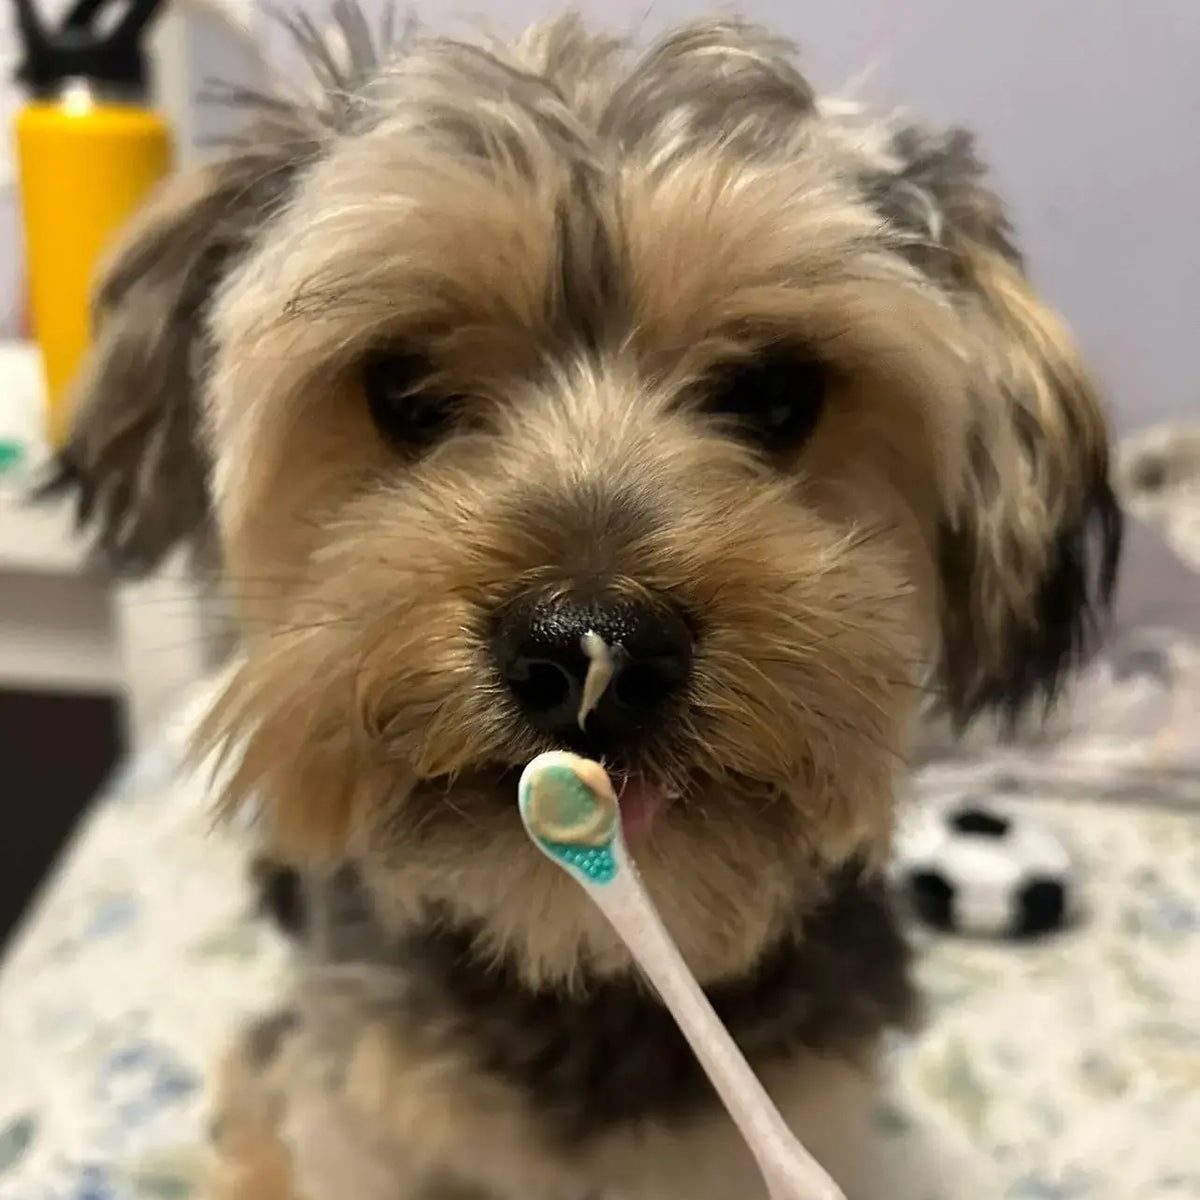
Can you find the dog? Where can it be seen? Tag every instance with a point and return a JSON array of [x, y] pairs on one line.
[[483, 346]]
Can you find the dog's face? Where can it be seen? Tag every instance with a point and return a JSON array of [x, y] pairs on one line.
[[535, 344]]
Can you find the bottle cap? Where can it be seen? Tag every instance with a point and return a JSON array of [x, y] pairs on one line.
[[78, 48]]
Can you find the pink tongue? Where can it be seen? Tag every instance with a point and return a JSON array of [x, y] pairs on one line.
[[640, 803]]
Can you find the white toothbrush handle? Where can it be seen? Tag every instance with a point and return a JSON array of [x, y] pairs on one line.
[[790, 1172]]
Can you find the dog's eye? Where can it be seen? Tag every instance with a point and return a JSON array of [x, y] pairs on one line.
[[776, 399], [407, 411]]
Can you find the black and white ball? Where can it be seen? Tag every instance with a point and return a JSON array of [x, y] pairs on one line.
[[983, 870]]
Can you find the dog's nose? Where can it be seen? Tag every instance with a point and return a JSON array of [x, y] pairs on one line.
[[539, 650]]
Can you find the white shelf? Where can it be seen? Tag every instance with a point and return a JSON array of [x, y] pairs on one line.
[[21, 388], [63, 628], [35, 538], [38, 538]]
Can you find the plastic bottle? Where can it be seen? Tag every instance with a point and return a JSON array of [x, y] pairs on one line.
[[89, 149]]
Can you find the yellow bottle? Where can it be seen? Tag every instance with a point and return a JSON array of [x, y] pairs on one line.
[[89, 149]]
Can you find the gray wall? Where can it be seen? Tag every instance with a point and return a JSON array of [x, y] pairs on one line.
[[1089, 111]]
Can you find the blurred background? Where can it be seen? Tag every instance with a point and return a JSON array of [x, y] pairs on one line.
[[1087, 109], [1088, 112]]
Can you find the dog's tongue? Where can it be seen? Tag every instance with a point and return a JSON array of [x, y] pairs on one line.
[[641, 802]]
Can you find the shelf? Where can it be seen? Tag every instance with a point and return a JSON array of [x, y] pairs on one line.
[[38, 538], [58, 634], [34, 538], [64, 628], [20, 391]]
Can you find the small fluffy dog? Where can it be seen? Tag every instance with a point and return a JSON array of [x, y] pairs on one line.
[[490, 345]]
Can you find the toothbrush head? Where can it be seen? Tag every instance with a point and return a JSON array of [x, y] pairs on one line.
[[571, 813]]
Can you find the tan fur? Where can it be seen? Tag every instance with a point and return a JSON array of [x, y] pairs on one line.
[[578, 242], [249, 1158]]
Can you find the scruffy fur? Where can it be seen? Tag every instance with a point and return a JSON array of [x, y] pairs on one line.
[[582, 245]]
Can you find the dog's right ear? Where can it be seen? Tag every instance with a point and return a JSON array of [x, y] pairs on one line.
[[134, 459]]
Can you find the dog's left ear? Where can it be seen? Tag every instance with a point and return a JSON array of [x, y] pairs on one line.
[[135, 461], [1029, 545]]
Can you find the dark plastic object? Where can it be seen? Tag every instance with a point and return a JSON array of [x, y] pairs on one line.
[[79, 49]]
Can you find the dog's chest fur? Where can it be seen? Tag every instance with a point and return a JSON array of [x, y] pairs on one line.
[[411, 1046]]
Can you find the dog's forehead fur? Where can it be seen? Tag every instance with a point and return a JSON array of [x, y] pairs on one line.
[[517, 188], [489, 178]]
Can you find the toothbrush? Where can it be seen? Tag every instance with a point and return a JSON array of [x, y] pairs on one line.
[[571, 814]]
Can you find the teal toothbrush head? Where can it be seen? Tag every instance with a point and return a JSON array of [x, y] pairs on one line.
[[571, 813]]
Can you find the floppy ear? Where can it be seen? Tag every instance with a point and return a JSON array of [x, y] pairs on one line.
[[1029, 547], [1029, 558], [135, 459]]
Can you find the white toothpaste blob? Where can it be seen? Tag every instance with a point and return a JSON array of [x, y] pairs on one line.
[[603, 663], [572, 815]]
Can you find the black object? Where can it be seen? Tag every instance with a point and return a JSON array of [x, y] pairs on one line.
[[1020, 890], [1041, 908], [980, 823], [79, 48], [932, 899], [45, 789]]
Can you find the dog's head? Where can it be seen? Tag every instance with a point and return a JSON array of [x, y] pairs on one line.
[[514, 344]]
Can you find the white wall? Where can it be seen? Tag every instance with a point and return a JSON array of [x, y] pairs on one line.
[[1089, 111], [10, 269]]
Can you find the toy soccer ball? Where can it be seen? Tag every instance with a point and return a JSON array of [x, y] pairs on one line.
[[981, 870]]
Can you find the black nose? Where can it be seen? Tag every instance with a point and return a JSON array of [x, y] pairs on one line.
[[540, 653]]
